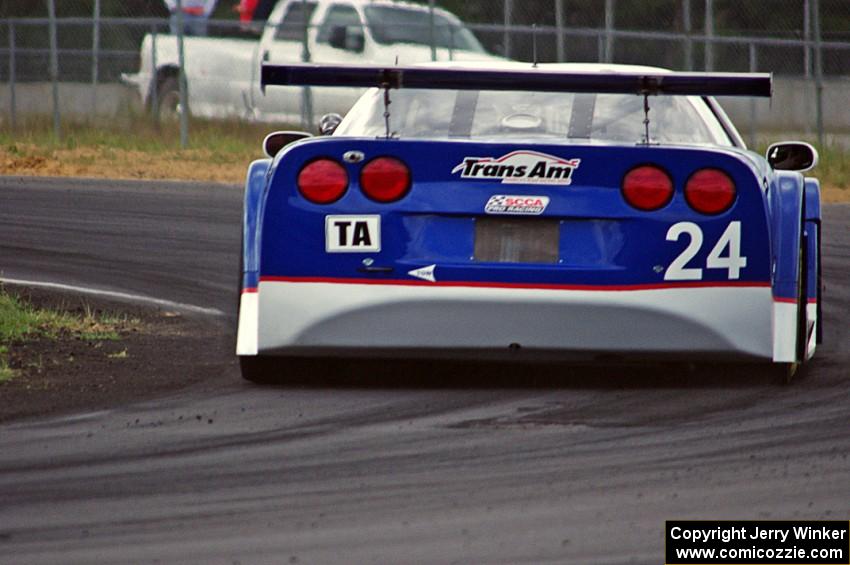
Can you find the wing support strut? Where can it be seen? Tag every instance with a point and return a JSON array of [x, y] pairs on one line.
[[386, 87], [649, 85], [645, 140]]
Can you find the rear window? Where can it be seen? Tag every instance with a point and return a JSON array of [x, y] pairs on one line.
[[291, 27], [497, 114], [390, 24], [339, 16]]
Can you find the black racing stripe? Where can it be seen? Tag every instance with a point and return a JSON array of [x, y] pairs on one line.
[[581, 116], [464, 111]]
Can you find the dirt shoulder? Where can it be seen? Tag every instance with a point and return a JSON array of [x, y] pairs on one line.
[[203, 164], [159, 352]]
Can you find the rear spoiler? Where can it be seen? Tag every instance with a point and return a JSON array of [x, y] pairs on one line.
[[531, 79]]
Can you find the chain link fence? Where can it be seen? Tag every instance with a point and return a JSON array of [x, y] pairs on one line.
[[95, 41], [680, 34]]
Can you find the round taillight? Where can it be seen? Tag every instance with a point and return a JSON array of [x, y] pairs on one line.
[[710, 191], [385, 179], [647, 187], [322, 181]]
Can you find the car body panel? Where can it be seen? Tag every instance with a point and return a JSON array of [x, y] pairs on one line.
[[610, 242], [614, 279]]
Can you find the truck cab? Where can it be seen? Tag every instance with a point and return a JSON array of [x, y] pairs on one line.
[[356, 32], [223, 74]]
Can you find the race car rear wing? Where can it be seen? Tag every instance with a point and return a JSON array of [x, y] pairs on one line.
[[531, 79]]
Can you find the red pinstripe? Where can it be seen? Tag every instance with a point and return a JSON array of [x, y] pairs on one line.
[[544, 286]]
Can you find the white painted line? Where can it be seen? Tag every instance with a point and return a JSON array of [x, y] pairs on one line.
[[137, 298], [61, 420]]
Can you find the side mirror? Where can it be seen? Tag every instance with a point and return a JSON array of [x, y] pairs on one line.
[[341, 38], [792, 156], [329, 123], [355, 42], [277, 140], [337, 37]]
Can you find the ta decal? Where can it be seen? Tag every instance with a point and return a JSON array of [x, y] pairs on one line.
[[352, 234]]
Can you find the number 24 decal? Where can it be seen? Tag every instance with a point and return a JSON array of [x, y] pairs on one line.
[[732, 261]]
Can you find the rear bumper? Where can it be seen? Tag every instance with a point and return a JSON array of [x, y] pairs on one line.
[[692, 323]]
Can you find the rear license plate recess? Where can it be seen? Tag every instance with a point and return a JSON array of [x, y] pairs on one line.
[[516, 240]]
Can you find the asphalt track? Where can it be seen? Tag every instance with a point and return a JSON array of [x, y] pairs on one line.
[[582, 470]]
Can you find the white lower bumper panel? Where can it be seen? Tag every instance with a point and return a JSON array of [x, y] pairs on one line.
[[246, 334], [785, 331], [706, 321]]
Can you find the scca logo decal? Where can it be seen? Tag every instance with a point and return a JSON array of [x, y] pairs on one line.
[[352, 234], [519, 167], [516, 205]]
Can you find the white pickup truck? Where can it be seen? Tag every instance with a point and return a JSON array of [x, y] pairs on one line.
[[223, 74]]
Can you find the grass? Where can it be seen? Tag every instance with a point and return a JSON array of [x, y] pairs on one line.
[[133, 147], [119, 355], [21, 321], [834, 167], [144, 135]]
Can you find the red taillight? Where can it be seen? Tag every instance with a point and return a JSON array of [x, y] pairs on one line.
[[385, 179], [322, 181], [710, 191], [647, 187]]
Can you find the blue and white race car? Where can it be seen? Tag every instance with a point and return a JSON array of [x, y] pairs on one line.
[[507, 209]]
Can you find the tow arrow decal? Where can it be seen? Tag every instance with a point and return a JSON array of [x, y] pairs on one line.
[[424, 273]]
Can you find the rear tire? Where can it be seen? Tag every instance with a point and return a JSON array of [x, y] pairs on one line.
[[256, 369], [283, 370]]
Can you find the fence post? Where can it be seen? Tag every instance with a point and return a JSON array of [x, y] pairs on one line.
[[54, 69], [431, 36], [559, 23], [807, 37], [818, 69], [753, 107], [507, 37], [609, 31], [307, 92], [709, 34], [181, 62], [686, 25], [155, 85], [95, 54], [13, 111]]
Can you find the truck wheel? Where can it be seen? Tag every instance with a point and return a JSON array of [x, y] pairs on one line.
[[168, 96]]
